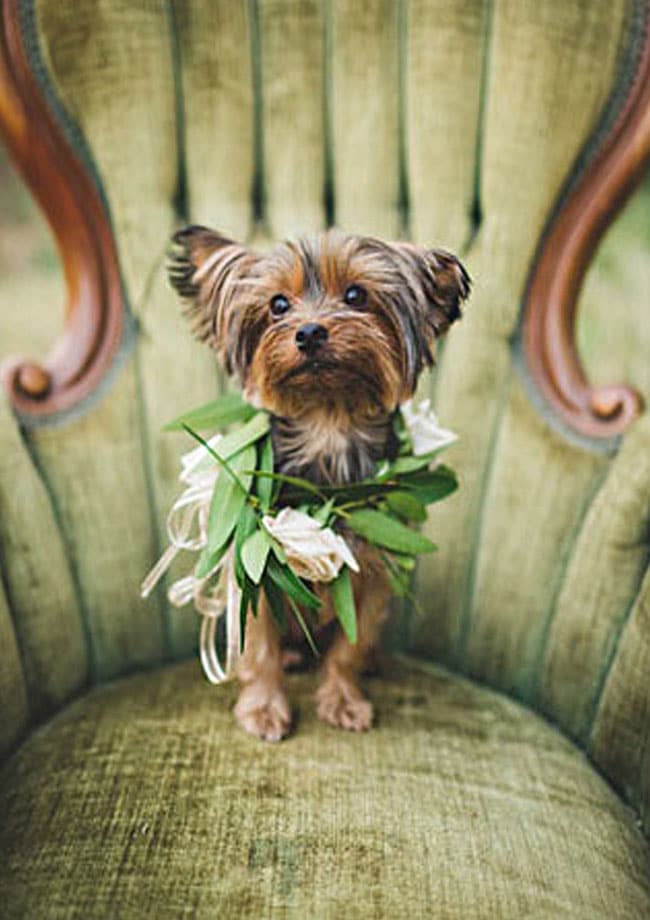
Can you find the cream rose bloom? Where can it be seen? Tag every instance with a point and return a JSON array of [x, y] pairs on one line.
[[313, 552], [423, 428]]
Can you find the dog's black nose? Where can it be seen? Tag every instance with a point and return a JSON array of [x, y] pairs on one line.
[[311, 337]]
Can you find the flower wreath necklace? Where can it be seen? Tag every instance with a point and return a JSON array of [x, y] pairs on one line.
[[258, 530]]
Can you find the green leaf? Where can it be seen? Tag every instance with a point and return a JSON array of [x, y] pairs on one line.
[[295, 481], [254, 596], [249, 593], [243, 614], [399, 578], [369, 488], [431, 485], [264, 485], [404, 562], [293, 586], [399, 427], [208, 560], [223, 463], [276, 601], [301, 621], [246, 525], [399, 582], [407, 505], [235, 441], [383, 530], [408, 464], [229, 499], [215, 414], [254, 554], [278, 550], [322, 514], [343, 599], [440, 472]]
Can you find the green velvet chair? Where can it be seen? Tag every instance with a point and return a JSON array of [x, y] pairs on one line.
[[509, 772]]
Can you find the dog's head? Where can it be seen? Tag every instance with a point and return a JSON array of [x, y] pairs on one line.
[[338, 321]]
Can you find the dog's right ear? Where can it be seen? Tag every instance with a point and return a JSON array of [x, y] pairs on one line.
[[205, 268]]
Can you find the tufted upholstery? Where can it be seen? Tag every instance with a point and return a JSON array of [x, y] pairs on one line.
[[455, 123]]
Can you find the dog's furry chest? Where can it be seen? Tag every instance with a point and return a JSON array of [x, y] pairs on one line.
[[326, 450]]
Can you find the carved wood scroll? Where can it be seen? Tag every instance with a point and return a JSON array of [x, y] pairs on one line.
[[550, 306], [67, 194]]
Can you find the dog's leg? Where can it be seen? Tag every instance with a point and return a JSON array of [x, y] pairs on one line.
[[262, 708], [339, 699], [292, 659]]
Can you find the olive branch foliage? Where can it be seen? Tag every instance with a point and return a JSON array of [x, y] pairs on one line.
[[382, 510]]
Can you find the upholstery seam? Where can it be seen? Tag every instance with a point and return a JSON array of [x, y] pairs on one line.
[[329, 184], [84, 612], [403, 183], [475, 214], [610, 659], [466, 249], [155, 528], [179, 204], [564, 566], [181, 194], [488, 469], [258, 184], [5, 588]]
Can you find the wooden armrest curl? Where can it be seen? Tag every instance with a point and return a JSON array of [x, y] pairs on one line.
[[68, 195], [549, 311]]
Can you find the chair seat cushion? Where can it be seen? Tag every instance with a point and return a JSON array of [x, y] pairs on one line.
[[143, 799]]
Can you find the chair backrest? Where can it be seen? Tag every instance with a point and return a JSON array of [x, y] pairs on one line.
[[455, 123]]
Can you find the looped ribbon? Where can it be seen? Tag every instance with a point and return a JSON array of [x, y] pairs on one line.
[[215, 594]]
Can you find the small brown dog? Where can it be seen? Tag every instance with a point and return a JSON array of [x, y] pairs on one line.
[[329, 335]]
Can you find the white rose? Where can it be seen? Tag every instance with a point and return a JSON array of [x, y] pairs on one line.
[[313, 552], [423, 428]]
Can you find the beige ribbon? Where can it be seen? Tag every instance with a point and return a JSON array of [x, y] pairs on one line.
[[215, 594], [314, 552]]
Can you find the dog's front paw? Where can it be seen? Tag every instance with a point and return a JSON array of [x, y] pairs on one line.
[[340, 703], [266, 717]]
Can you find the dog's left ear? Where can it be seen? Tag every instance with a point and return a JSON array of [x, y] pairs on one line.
[[432, 284], [451, 286], [443, 285], [206, 269]]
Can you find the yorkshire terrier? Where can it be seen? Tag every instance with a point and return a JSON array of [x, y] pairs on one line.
[[329, 335]]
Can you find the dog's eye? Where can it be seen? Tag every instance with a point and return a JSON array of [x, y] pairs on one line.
[[279, 305], [355, 296]]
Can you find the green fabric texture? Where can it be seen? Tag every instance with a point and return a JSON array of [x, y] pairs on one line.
[[456, 124], [460, 804]]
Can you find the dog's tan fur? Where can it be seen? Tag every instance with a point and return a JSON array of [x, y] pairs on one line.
[[331, 412]]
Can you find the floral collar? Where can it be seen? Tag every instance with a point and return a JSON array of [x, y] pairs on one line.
[[230, 514]]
